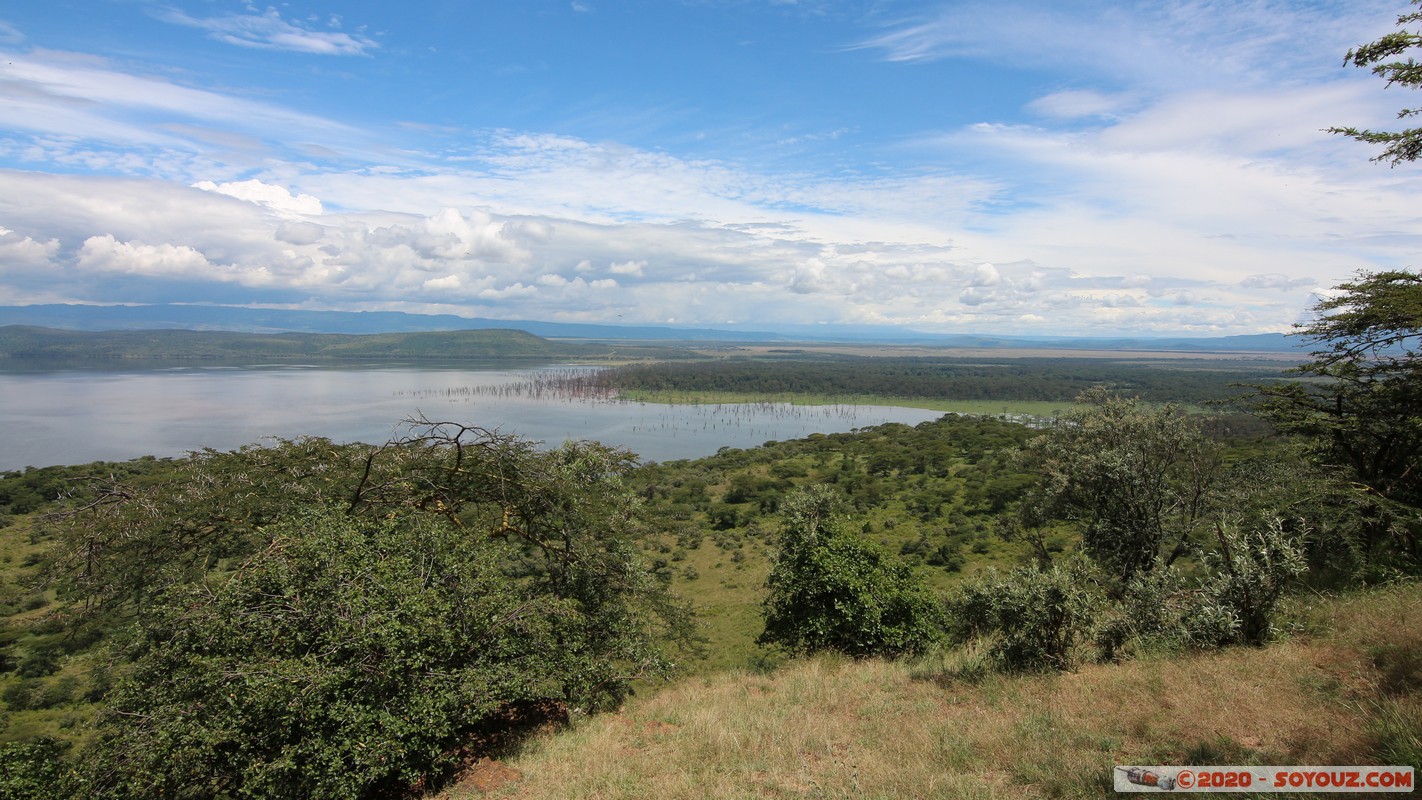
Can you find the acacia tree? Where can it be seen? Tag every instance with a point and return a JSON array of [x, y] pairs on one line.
[[1385, 58], [1359, 407], [832, 590], [1138, 482]]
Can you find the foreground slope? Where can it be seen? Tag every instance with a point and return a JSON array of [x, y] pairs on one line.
[[1345, 689]]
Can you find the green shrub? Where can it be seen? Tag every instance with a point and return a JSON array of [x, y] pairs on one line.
[[1147, 615], [36, 771], [1030, 618], [19, 695], [831, 590], [1249, 571], [350, 658], [358, 650]]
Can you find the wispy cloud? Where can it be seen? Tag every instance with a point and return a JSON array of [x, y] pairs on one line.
[[1174, 43], [1168, 185], [9, 34], [84, 110], [268, 31]]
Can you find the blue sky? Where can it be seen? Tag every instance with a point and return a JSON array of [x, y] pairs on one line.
[[1070, 167]]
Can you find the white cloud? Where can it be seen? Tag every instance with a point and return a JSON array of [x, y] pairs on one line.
[[448, 282], [79, 109], [1138, 199], [275, 198], [23, 251], [1275, 281], [106, 254], [628, 268], [1078, 103], [9, 34], [299, 232], [1173, 43], [268, 31], [986, 275]]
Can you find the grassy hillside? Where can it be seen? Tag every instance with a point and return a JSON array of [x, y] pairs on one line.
[[1346, 688], [24, 342]]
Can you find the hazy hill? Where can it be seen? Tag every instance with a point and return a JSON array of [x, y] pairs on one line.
[[27, 342], [267, 320], [270, 320]]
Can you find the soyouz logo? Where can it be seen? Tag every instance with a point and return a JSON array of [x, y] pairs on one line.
[[1263, 779]]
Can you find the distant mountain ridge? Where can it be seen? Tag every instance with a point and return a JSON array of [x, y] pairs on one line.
[[267, 320], [276, 320], [25, 342]]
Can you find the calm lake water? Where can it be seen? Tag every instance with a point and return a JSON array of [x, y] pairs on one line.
[[71, 416]]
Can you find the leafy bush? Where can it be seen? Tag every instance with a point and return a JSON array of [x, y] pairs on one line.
[[1147, 615], [831, 590], [1234, 602], [36, 771], [351, 657], [1249, 571], [382, 615], [1030, 618], [1139, 482]]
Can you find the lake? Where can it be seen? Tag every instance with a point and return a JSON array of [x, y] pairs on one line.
[[71, 416]]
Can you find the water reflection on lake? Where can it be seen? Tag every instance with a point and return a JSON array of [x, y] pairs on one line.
[[79, 415]]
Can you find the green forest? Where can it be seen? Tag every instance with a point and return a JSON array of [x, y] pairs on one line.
[[1057, 380], [315, 619]]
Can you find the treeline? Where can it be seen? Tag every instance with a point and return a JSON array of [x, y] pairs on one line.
[[1043, 379]]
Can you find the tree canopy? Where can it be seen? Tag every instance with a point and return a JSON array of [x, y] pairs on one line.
[[831, 590], [1385, 56], [321, 620], [1358, 407], [1138, 481]]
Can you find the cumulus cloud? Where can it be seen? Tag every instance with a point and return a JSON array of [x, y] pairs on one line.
[[976, 296], [1140, 204], [448, 282], [299, 232], [107, 254], [628, 268], [23, 251], [809, 277], [986, 275]]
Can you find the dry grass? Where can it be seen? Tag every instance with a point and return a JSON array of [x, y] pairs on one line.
[[828, 727]]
